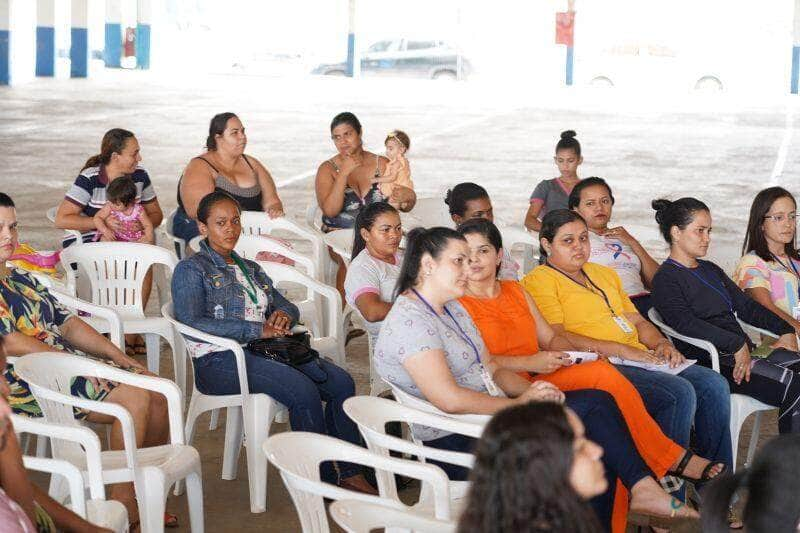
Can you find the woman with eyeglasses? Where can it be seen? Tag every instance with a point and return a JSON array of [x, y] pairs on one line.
[[769, 271]]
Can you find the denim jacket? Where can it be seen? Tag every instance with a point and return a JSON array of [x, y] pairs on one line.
[[207, 296]]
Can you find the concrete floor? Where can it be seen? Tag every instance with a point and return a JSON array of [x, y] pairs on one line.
[[716, 148]]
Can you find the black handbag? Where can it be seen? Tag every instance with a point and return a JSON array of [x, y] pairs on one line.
[[293, 350]]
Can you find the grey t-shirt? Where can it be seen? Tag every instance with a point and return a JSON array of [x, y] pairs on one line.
[[411, 328], [551, 194]]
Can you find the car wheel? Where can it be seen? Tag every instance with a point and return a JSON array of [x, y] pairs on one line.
[[601, 82], [445, 75], [336, 73], [708, 84]]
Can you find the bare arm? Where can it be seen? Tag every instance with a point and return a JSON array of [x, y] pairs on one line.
[[532, 222], [197, 182], [649, 335], [762, 296], [609, 348], [371, 307], [154, 212], [100, 222], [405, 197], [85, 338], [270, 202], [69, 216], [64, 519], [330, 186], [149, 236]]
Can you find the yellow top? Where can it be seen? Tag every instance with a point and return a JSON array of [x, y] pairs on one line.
[[582, 309], [403, 179]]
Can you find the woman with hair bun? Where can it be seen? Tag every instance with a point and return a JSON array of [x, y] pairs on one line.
[[553, 193], [697, 299], [224, 167]]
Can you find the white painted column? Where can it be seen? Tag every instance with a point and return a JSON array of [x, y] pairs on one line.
[[17, 41], [79, 36]]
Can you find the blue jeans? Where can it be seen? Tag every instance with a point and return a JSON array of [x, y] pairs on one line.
[[697, 395], [302, 392], [184, 227]]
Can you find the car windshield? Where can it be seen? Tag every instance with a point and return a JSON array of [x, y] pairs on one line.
[[380, 46], [420, 45]]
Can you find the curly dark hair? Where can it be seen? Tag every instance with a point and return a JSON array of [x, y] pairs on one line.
[[520, 481]]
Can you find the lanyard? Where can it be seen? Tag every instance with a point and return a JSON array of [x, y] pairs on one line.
[[791, 268], [251, 293], [602, 293], [462, 333], [718, 289]]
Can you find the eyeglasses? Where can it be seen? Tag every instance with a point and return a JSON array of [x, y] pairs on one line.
[[780, 218]]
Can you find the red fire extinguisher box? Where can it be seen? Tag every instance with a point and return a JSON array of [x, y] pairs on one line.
[[565, 28]]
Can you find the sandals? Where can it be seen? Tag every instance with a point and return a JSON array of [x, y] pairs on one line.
[[734, 520], [704, 476], [674, 519]]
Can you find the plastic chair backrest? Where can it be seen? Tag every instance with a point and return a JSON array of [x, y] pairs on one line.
[[372, 414], [355, 516], [341, 242], [257, 223], [116, 271], [115, 328], [656, 319], [314, 216], [298, 456], [166, 225], [248, 246], [421, 405], [518, 235], [51, 214], [427, 213]]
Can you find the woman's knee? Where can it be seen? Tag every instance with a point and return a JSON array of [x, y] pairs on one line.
[[342, 384], [135, 400]]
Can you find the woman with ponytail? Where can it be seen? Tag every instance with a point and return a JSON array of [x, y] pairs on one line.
[[772, 484], [375, 267], [119, 156], [224, 167]]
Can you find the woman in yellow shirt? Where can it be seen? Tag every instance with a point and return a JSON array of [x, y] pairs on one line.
[[585, 303]]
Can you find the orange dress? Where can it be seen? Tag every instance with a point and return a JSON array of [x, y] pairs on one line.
[[508, 328]]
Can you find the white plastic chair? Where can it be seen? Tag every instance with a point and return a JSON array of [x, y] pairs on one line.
[[742, 405], [97, 510], [116, 271], [298, 455], [372, 414], [356, 516], [408, 400], [51, 216], [341, 242], [248, 246], [152, 470], [248, 420], [256, 223], [427, 213], [113, 321], [519, 236], [175, 243]]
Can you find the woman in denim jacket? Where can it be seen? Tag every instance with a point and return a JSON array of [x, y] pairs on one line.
[[220, 293]]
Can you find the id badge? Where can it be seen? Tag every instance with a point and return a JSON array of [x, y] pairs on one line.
[[491, 386], [623, 324]]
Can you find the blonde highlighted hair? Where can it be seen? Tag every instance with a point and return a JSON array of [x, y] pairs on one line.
[[400, 136]]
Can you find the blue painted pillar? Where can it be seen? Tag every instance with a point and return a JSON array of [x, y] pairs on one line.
[[112, 50], [5, 42], [795, 73], [45, 38], [569, 65], [144, 15], [353, 59], [79, 37]]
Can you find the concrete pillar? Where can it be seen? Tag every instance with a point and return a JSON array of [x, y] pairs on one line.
[[795, 74], [5, 42], [46, 37], [144, 20], [353, 60], [79, 35], [112, 51]]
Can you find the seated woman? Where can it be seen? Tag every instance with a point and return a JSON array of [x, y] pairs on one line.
[[32, 320], [469, 200], [769, 272], [23, 503], [585, 303], [375, 267], [219, 292], [614, 247], [430, 348], [345, 182], [119, 156], [697, 299], [515, 333], [224, 167]]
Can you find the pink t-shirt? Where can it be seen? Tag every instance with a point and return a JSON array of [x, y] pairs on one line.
[[12, 518]]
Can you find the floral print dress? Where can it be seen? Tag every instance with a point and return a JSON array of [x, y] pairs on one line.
[[28, 308]]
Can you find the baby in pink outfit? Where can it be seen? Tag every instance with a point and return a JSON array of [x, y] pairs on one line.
[[122, 218]]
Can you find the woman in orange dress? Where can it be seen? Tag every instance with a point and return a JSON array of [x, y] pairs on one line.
[[513, 328]]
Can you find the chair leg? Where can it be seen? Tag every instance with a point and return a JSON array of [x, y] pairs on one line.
[[233, 443], [153, 502], [751, 447], [191, 419], [41, 445], [194, 497], [58, 489], [153, 344], [736, 427], [214, 422], [258, 415], [178, 359]]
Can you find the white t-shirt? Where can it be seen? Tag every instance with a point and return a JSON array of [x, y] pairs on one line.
[[369, 275], [615, 254]]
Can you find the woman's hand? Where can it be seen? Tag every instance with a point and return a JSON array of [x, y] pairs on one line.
[[547, 362], [275, 209], [634, 354], [742, 367], [541, 391], [787, 341], [666, 351], [278, 324], [622, 234], [349, 164]]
